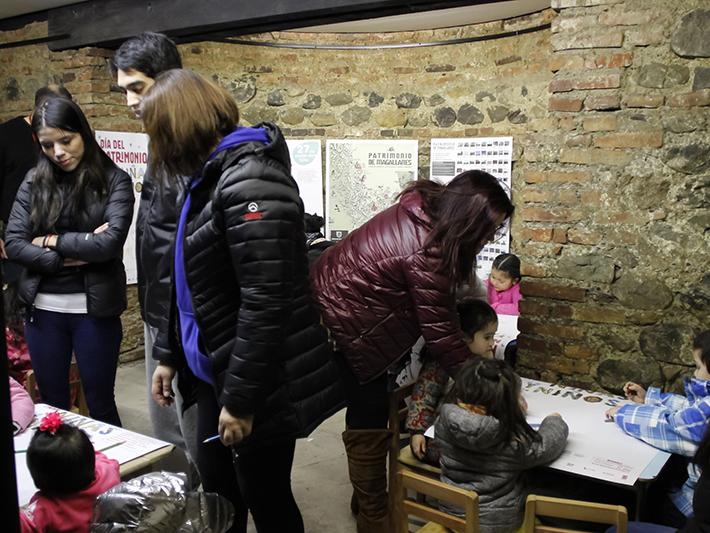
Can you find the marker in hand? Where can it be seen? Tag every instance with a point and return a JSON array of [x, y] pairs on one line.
[[211, 439]]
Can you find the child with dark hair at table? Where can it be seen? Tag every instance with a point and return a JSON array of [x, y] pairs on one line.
[[478, 323], [504, 284], [486, 443], [69, 475], [673, 423]]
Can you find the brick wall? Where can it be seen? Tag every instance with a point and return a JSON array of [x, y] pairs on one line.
[[84, 72], [616, 208], [610, 163]]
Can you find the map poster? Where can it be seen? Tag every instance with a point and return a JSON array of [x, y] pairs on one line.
[[130, 152], [364, 177], [450, 157], [307, 170]]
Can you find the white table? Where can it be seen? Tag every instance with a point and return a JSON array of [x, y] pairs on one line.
[[133, 451], [596, 448], [507, 331]]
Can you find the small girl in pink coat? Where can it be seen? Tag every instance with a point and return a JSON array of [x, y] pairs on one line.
[[69, 474], [22, 407], [504, 285]]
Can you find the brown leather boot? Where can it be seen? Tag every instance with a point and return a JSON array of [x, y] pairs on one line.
[[367, 464]]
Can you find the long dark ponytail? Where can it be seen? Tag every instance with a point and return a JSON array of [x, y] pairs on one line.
[[86, 184], [465, 215]]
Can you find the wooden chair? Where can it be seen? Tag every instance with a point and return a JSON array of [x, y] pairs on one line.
[[420, 484], [397, 413], [79, 404], [599, 513], [401, 457]]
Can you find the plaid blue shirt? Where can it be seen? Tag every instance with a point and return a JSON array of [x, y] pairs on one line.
[[672, 423]]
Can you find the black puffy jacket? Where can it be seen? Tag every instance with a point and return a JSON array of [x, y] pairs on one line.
[[246, 266], [155, 232], [104, 275]]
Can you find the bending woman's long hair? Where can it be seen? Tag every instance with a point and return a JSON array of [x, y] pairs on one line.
[[465, 215], [86, 184]]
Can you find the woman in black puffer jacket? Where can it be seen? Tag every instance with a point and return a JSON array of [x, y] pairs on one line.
[[67, 228], [243, 333]]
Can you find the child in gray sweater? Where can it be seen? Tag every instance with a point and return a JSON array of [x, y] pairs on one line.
[[486, 443]]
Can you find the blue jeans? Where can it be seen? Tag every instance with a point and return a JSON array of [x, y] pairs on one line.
[[95, 342]]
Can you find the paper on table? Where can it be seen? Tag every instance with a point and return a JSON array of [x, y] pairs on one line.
[[507, 331], [595, 448], [114, 442]]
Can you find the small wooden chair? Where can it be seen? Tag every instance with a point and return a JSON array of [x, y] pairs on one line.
[[79, 404], [599, 513], [465, 499], [401, 457], [396, 415]]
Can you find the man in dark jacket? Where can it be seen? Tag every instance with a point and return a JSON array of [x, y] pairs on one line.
[[136, 64]]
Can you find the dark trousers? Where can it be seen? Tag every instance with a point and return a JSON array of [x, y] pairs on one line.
[[258, 481], [368, 404], [53, 337]]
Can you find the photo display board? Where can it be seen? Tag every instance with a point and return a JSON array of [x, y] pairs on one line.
[[451, 157]]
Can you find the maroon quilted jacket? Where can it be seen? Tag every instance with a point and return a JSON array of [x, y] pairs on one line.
[[378, 292]]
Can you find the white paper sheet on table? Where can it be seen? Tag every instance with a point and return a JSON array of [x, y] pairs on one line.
[[507, 331], [116, 443], [595, 448]]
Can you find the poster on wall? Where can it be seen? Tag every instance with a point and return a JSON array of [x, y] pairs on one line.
[[130, 152], [307, 170], [450, 157], [363, 177]]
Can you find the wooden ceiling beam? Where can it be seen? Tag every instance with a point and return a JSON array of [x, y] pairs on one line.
[[107, 23]]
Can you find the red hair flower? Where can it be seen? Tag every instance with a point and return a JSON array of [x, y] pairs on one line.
[[51, 422]]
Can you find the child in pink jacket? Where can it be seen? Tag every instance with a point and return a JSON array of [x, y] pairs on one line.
[[504, 285], [69, 475], [22, 407]]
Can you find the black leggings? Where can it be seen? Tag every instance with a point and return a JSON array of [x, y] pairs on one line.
[[258, 480], [368, 404]]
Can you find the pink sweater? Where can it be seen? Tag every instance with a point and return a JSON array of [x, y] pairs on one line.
[[69, 513], [504, 302], [22, 407]]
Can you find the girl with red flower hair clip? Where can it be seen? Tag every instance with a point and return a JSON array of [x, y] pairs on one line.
[[69, 475]]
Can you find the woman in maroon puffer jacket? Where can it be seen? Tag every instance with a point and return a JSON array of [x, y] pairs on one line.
[[389, 282]]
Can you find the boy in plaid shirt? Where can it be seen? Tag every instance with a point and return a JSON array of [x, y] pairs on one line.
[[671, 422]]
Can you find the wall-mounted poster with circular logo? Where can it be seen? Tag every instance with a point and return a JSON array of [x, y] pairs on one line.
[[307, 170]]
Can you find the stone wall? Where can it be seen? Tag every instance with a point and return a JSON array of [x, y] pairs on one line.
[[610, 163], [615, 202]]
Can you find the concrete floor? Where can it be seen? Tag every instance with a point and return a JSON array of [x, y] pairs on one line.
[[320, 479]]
